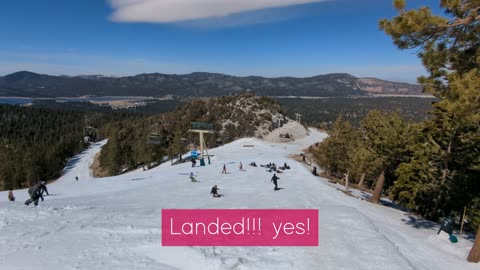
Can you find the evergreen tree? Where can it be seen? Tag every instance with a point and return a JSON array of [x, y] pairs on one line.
[[387, 135], [450, 51]]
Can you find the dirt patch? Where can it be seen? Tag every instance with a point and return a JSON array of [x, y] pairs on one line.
[[294, 130], [97, 170]]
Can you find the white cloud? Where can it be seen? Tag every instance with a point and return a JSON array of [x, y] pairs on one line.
[[68, 63], [168, 11]]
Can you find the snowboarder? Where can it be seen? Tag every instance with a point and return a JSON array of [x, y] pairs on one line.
[[35, 193], [192, 177], [76, 178], [241, 167], [214, 192], [314, 172], [224, 171], [10, 196], [44, 188], [447, 226], [274, 180]]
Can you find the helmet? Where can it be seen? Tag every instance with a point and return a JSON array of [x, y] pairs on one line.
[[215, 186], [43, 182]]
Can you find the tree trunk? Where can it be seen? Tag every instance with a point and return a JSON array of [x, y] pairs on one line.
[[474, 255], [362, 178], [378, 188], [445, 162], [346, 180]]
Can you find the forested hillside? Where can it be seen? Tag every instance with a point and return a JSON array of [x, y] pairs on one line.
[[198, 84], [323, 112], [35, 143], [232, 117]]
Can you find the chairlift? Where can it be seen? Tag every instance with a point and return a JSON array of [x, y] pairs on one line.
[[89, 132], [154, 139]]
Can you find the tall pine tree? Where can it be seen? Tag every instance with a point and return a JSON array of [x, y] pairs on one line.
[[449, 156]]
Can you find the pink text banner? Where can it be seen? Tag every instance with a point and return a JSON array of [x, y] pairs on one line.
[[240, 227]]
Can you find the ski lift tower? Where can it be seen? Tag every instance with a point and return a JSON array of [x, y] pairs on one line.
[[299, 117], [201, 129]]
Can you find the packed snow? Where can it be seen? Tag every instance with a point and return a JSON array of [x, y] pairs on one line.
[[114, 222]]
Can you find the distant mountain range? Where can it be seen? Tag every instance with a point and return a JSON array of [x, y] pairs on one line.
[[198, 84]]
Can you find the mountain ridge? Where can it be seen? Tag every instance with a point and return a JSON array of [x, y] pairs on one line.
[[198, 84]]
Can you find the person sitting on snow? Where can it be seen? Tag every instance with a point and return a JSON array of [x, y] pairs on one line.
[[253, 164], [10, 196], [447, 226], [286, 167], [214, 192], [192, 177]]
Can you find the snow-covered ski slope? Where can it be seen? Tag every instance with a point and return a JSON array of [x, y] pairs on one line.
[[114, 223]]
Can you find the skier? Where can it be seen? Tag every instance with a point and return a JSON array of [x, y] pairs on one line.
[[192, 177], [10, 196], [274, 180], [241, 167], [35, 193], [76, 177], [224, 171], [214, 192]]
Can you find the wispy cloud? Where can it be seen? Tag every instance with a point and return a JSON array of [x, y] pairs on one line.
[[73, 63], [169, 11]]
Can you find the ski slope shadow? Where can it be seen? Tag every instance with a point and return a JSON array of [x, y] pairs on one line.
[[418, 223], [142, 178], [385, 202], [72, 163]]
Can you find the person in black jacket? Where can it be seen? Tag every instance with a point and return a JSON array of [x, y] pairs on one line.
[[274, 180], [214, 192], [35, 193], [44, 188], [447, 226]]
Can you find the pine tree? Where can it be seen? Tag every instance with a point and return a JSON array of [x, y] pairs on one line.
[[387, 135], [449, 49]]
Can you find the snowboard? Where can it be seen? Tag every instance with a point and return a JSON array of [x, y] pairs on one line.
[[453, 239]]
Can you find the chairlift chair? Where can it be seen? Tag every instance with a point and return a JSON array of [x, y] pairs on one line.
[[89, 134], [154, 139]]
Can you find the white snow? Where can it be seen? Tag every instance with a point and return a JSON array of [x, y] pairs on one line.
[[114, 222]]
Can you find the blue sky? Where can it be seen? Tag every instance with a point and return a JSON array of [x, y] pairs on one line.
[[298, 38]]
